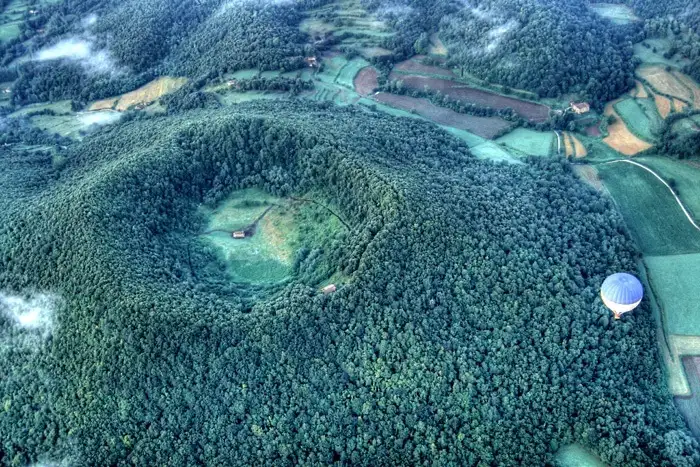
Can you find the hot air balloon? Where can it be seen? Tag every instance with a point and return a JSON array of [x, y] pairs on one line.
[[621, 293]]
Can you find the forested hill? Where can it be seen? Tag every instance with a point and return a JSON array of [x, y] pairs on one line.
[[130, 42], [469, 330], [546, 46]]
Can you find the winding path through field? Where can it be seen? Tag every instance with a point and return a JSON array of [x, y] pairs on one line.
[[680, 203]]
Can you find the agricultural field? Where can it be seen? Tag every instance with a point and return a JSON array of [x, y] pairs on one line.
[[674, 279], [232, 98], [492, 151], [150, 92], [59, 107], [690, 84], [620, 138], [415, 66], [639, 91], [575, 455], [589, 174], [690, 406], [618, 14], [573, 146], [640, 116], [652, 214], [146, 94], [683, 176], [654, 53], [529, 142], [366, 82], [666, 82], [346, 75], [461, 92], [664, 105], [73, 125], [332, 64], [486, 127]]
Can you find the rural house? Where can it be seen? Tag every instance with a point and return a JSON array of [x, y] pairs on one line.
[[580, 107], [238, 234], [330, 288]]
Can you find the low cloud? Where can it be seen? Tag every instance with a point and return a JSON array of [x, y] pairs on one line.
[[101, 117], [81, 50], [26, 322], [495, 35]]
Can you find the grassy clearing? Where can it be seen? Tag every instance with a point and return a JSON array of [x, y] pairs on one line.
[[685, 177], [231, 98], [652, 214], [266, 256], [640, 116], [654, 54], [332, 65], [620, 138], [150, 92], [104, 104], [618, 14], [674, 279], [530, 142], [575, 455], [9, 30], [492, 151]]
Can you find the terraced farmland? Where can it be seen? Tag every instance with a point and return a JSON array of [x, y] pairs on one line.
[[461, 92], [486, 127]]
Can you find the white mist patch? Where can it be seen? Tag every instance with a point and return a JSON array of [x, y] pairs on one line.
[[89, 21], [25, 322], [100, 117], [495, 35], [79, 50]]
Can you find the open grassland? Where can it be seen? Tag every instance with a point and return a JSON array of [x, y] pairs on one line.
[[436, 46], [683, 175], [232, 98], [150, 92], [643, 120], [332, 64], [529, 142], [690, 406], [675, 282], [366, 81], [415, 66], [652, 214], [464, 93], [618, 14], [575, 455], [486, 127], [665, 82], [620, 138]]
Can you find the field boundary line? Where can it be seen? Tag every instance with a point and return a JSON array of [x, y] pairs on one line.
[[678, 200]]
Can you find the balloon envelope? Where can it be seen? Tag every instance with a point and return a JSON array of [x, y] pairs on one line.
[[621, 292]]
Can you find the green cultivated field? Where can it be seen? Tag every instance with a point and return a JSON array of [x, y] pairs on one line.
[[675, 281], [686, 177], [654, 54], [641, 117], [529, 142], [349, 71], [650, 211]]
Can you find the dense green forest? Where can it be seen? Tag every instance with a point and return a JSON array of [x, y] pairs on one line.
[[470, 331]]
